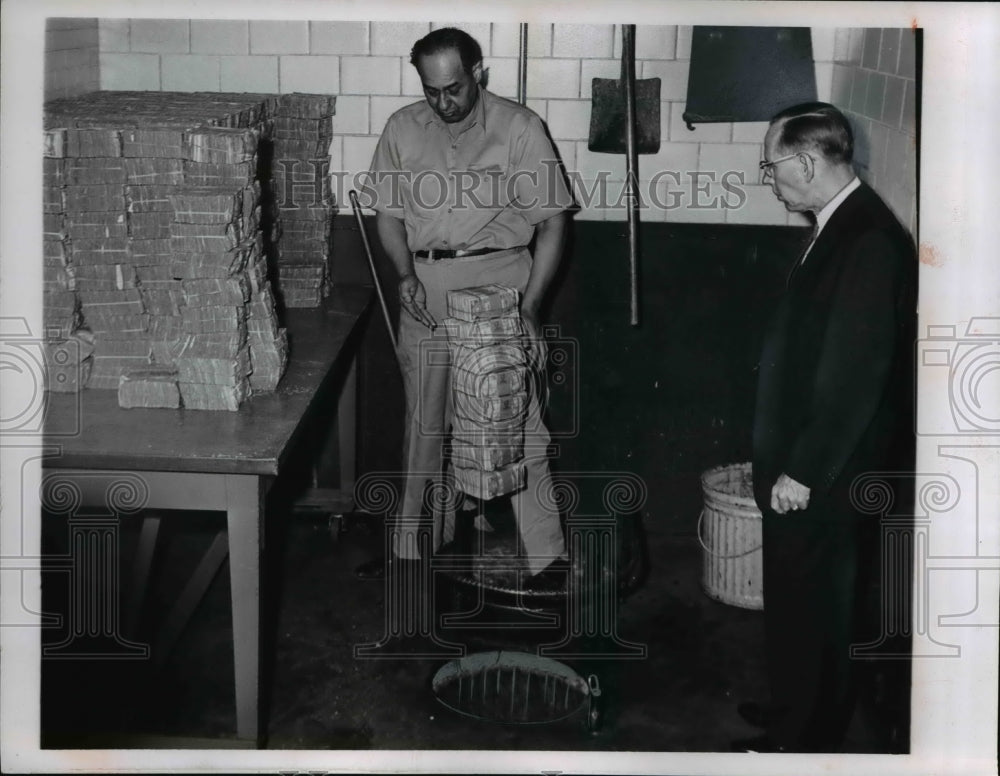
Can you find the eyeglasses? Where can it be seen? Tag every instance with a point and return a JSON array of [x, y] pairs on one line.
[[767, 168]]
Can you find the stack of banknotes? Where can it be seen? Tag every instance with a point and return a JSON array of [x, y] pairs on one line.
[[489, 390]]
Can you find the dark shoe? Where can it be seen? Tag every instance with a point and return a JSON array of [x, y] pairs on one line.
[[756, 714], [761, 744], [554, 578]]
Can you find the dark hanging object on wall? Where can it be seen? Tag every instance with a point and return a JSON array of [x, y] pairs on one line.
[[748, 73], [609, 120]]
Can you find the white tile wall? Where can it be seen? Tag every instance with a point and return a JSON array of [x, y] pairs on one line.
[[749, 132], [842, 83], [875, 87], [352, 115], [541, 107], [73, 38], [190, 73], [567, 154], [824, 81], [673, 77], [383, 107], [218, 36], [553, 77], [279, 37], [651, 42], [758, 205], [591, 165], [71, 57], [684, 34], [569, 119], [370, 75], [672, 159], [478, 30], [720, 132], [892, 108], [337, 160], [249, 74], [506, 37], [160, 36], [340, 38], [841, 45], [366, 65], [357, 157], [740, 158], [888, 58], [315, 74], [582, 41], [130, 72], [502, 78], [395, 39], [824, 43], [695, 200], [855, 46], [411, 79], [113, 35]]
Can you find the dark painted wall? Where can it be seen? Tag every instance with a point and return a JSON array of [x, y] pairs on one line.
[[665, 400]]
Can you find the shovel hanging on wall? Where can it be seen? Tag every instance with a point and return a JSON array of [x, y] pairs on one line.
[[608, 119], [625, 119]]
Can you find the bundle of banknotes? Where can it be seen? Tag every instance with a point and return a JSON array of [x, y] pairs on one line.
[[302, 131], [489, 390]]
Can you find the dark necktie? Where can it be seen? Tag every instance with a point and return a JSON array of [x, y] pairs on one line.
[[802, 256]]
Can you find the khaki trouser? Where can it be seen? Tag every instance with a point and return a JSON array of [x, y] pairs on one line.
[[425, 363]]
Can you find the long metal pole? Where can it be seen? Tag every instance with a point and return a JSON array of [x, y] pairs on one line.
[[522, 65], [632, 169], [371, 265]]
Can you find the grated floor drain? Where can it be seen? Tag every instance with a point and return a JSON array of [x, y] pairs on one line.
[[516, 688]]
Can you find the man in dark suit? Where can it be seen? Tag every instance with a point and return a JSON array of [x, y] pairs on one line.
[[834, 401]]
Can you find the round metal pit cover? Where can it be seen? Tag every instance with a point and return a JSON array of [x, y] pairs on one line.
[[516, 688]]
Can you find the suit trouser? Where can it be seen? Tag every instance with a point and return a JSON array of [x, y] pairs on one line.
[[812, 588], [426, 367]]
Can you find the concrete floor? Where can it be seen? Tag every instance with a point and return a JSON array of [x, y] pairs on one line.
[[701, 658]]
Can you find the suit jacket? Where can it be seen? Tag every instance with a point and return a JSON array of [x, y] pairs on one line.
[[836, 384]]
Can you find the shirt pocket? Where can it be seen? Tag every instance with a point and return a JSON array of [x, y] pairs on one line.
[[482, 187]]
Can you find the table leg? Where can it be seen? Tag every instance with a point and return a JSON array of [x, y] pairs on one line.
[[140, 571], [179, 615], [347, 426], [245, 522]]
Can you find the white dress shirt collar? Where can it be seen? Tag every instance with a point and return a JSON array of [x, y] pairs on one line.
[[828, 209]]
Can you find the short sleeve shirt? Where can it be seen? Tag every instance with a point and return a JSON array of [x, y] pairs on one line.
[[486, 187]]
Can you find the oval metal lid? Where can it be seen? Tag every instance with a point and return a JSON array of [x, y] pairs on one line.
[[478, 664]]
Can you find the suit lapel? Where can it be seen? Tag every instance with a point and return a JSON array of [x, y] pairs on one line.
[[840, 224]]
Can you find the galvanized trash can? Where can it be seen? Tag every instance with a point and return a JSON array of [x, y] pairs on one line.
[[730, 534]]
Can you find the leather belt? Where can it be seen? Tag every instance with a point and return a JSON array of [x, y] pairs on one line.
[[435, 254]]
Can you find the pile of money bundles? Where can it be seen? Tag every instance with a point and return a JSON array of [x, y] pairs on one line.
[[302, 133], [161, 237], [489, 390]]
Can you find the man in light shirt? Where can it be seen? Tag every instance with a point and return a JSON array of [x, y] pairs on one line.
[[462, 182], [834, 402]]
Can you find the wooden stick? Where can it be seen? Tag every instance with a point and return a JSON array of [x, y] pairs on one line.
[[371, 265], [632, 165]]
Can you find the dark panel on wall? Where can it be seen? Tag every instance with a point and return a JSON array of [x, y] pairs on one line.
[[748, 73]]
